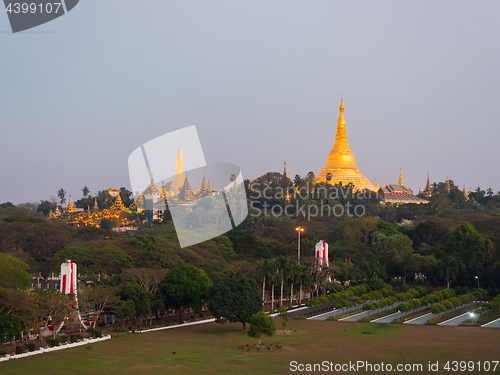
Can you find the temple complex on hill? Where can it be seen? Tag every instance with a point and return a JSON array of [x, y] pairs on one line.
[[76, 218], [340, 165]]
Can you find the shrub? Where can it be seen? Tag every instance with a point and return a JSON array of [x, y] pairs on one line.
[[438, 308], [97, 333], [300, 317], [20, 349], [54, 342], [32, 347], [2, 352], [448, 305], [63, 338], [79, 336], [73, 338], [91, 331], [193, 318]]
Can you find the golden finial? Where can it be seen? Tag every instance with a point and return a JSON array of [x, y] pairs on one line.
[[341, 102], [400, 181]]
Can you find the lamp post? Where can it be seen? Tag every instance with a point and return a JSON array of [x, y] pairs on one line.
[[299, 229], [477, 277]]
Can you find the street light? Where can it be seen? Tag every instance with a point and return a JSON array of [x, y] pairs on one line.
[[477, 277], [299, 229]]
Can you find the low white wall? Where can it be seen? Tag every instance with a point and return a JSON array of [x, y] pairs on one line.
[[53, 349]]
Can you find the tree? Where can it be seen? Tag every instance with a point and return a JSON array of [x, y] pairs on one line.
[[61, 193], [261, 324], [98, 298], [54, 306], [141, 299], [233, 300], [284, 315], [85, 191], [283, 265], [148, 278], [186, 286], [45, 207], [13, 273], [305, 278], [449, 267]]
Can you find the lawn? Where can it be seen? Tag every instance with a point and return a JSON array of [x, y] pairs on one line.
[[214, 349]]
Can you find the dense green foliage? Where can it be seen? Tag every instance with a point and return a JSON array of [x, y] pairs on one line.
[[232, 300]]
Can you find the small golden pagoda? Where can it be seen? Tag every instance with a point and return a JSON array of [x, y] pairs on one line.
[[340, 165], [70, 207]]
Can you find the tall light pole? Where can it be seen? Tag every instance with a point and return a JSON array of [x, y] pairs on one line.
[[299, 229], [477, 277]]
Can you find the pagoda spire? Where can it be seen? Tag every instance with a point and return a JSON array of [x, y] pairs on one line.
[[70, 207], [447, 185], [340, 162], [465, 194], [96, 207], [139, 201], [400, 181], [179, 178], [284, 170], [427, 189], [203, 187]]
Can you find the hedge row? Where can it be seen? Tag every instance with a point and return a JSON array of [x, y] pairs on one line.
[[453, 302], [363, 291]]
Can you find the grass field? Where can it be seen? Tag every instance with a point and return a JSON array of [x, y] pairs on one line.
[[216, 349]]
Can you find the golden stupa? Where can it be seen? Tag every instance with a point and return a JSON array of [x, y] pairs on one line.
[[340, 164]]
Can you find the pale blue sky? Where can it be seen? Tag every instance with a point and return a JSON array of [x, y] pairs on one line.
[[261, 80]]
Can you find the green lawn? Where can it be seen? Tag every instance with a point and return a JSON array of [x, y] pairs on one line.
[[215, 349]]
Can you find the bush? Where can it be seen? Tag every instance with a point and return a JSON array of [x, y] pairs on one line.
[[73, 338], [193, 318], [63, 338], [2, 352], [97, 333], [20, 349], [300, 317], [448, 305], [32, 347], [91, 331], [54, 342], [79, 336]]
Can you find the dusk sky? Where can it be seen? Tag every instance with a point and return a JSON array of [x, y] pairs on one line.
[[261, 80]]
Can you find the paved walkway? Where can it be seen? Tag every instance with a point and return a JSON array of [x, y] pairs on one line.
[[493, 324], [421, 319], [355, 317], [336, 312], [386, 319], [456, 320]]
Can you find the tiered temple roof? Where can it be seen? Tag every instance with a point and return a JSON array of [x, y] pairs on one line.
[[398, 193]]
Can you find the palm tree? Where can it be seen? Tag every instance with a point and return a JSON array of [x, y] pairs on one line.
[[61, 193], [85, 191], [273, 276], [294, 275], [264, 270], [305, 280], [449, 268], [284, 268]]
